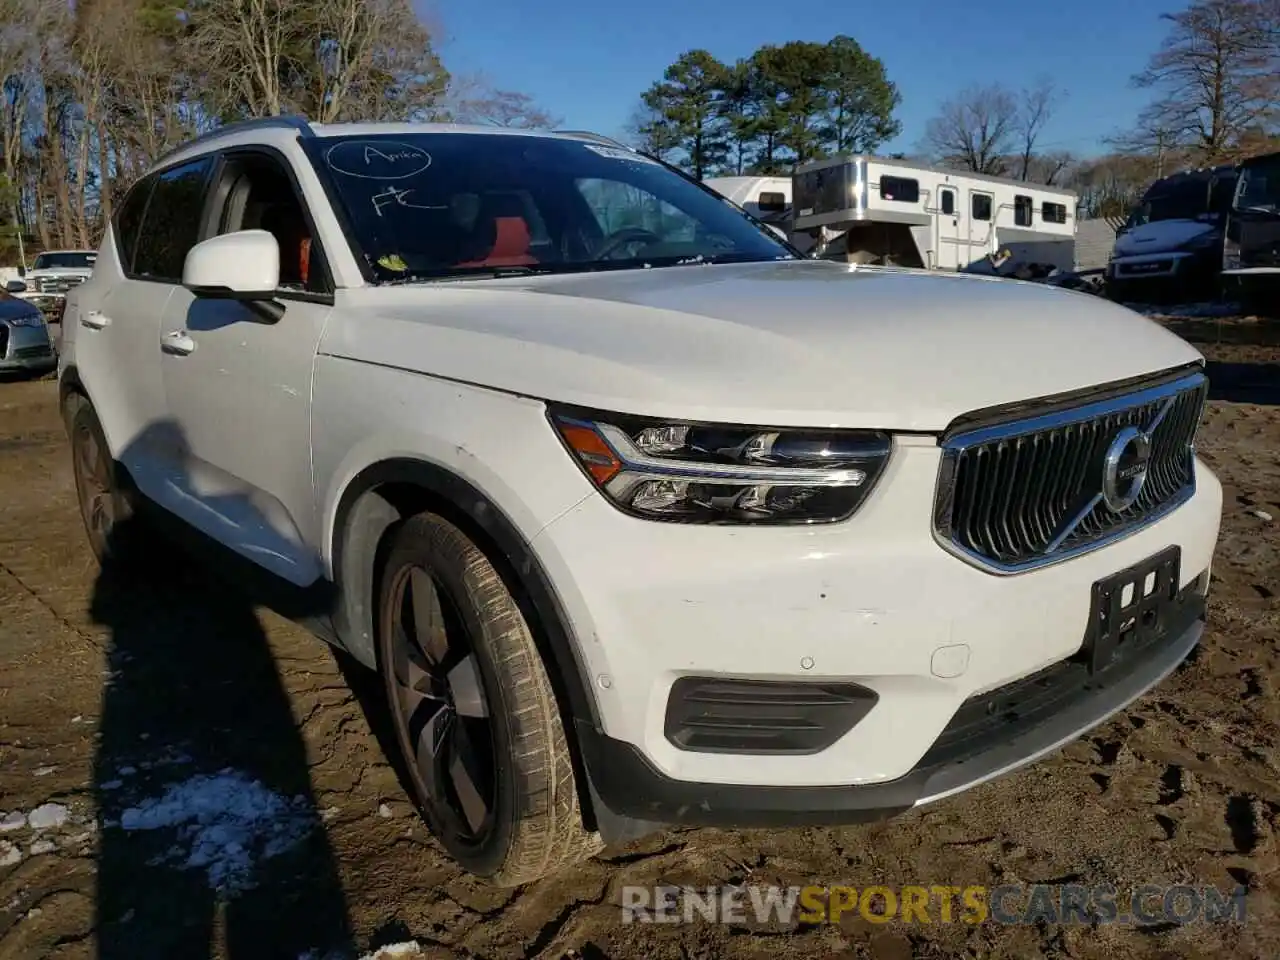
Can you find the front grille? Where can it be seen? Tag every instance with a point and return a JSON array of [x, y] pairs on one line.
[[57, 284], [1149, 266], [32, 353], [1029, 491]]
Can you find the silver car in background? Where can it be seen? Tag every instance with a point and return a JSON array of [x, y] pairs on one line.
[[26, 345]]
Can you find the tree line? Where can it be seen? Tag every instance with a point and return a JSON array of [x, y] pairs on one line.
[[1215, 98], [783, 105], [94, 91]]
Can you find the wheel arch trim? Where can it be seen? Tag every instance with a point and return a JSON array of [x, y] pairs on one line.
[[363, 516]]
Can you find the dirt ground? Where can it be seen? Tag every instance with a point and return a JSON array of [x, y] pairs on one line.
[[113, 693]]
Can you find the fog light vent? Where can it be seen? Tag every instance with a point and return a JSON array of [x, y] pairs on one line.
[[716, 715]]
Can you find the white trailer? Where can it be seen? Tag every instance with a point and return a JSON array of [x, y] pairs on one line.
[[765, 198], [873, 210]]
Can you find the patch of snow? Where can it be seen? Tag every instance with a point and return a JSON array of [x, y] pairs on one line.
[[111, 785], [43, 846], [225, 823], [10, 854], [48, 815], [328, 813], [384, 811], [77, 718], [127, 771], [1262, 515], [44, 771], [13, 821], [391, 950]]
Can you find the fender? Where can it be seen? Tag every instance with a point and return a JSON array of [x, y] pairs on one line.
[[367, 509]]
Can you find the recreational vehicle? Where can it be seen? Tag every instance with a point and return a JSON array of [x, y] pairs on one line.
[[1251, 253], [874, 210], [765, 198], [1171, 245], [768, 199]]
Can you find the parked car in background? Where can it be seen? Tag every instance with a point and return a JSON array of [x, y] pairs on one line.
[[52, 274], [1251, 255], [642, 516], [1170, 248], [26, 345]]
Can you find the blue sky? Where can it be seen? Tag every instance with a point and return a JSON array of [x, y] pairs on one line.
[[588, 61]]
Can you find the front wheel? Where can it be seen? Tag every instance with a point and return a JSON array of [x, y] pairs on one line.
[[475, 714], [105, 506]]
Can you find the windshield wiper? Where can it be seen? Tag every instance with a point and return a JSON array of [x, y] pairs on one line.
[[468, 273]]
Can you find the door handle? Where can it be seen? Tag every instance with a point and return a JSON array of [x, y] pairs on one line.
[[95, 320], [177, 343]]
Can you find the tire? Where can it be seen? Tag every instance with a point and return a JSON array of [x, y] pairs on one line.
[[476, 718], [106, 503]]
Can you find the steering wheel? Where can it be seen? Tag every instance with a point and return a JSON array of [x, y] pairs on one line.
[[620, 237]]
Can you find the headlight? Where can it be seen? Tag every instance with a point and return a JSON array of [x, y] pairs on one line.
[[26, 320], [713, 473]]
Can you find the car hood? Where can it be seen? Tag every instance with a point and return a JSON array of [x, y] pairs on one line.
[[799, 343], [15, 307], [1162, 236]]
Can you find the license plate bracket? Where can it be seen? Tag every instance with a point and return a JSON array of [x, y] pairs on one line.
[[1131, 608]]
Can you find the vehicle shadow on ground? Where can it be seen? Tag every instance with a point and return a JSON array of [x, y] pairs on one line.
[[211, 842], [1244, 382]]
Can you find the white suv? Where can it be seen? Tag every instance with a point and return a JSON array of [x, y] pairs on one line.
[[643, 517]]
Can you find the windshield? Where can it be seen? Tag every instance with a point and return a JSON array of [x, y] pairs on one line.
[[437, 205], [1184, 201], [66, 260], [1259, 187]]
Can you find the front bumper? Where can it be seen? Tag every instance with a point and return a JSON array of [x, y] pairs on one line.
[[873, 601], [1187, 267], [630, 789], [26, 349]]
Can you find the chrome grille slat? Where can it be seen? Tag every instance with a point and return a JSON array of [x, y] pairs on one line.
[[1006, 492]]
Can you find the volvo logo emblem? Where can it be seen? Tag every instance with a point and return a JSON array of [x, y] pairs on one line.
[[1124, 469]]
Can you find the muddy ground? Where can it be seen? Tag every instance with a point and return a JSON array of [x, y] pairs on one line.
[[111, 694]]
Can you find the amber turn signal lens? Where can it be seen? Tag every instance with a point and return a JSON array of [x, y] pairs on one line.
[[596, 455]]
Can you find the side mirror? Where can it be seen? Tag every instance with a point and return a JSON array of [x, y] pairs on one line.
[[244, 265], [15, 286]]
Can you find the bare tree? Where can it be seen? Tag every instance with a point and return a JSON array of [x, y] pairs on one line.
[[1035, 109], [1049, 168], [1215, 75], [505, 108], [246, 46], [976, 130], [364, 47]]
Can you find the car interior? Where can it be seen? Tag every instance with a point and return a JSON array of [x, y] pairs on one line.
[[261, 197]]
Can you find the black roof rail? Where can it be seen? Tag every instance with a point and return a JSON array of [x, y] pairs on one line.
[[286, 122], [595, 137]]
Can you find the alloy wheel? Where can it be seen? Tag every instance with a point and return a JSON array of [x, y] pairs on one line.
[[441, 709]]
